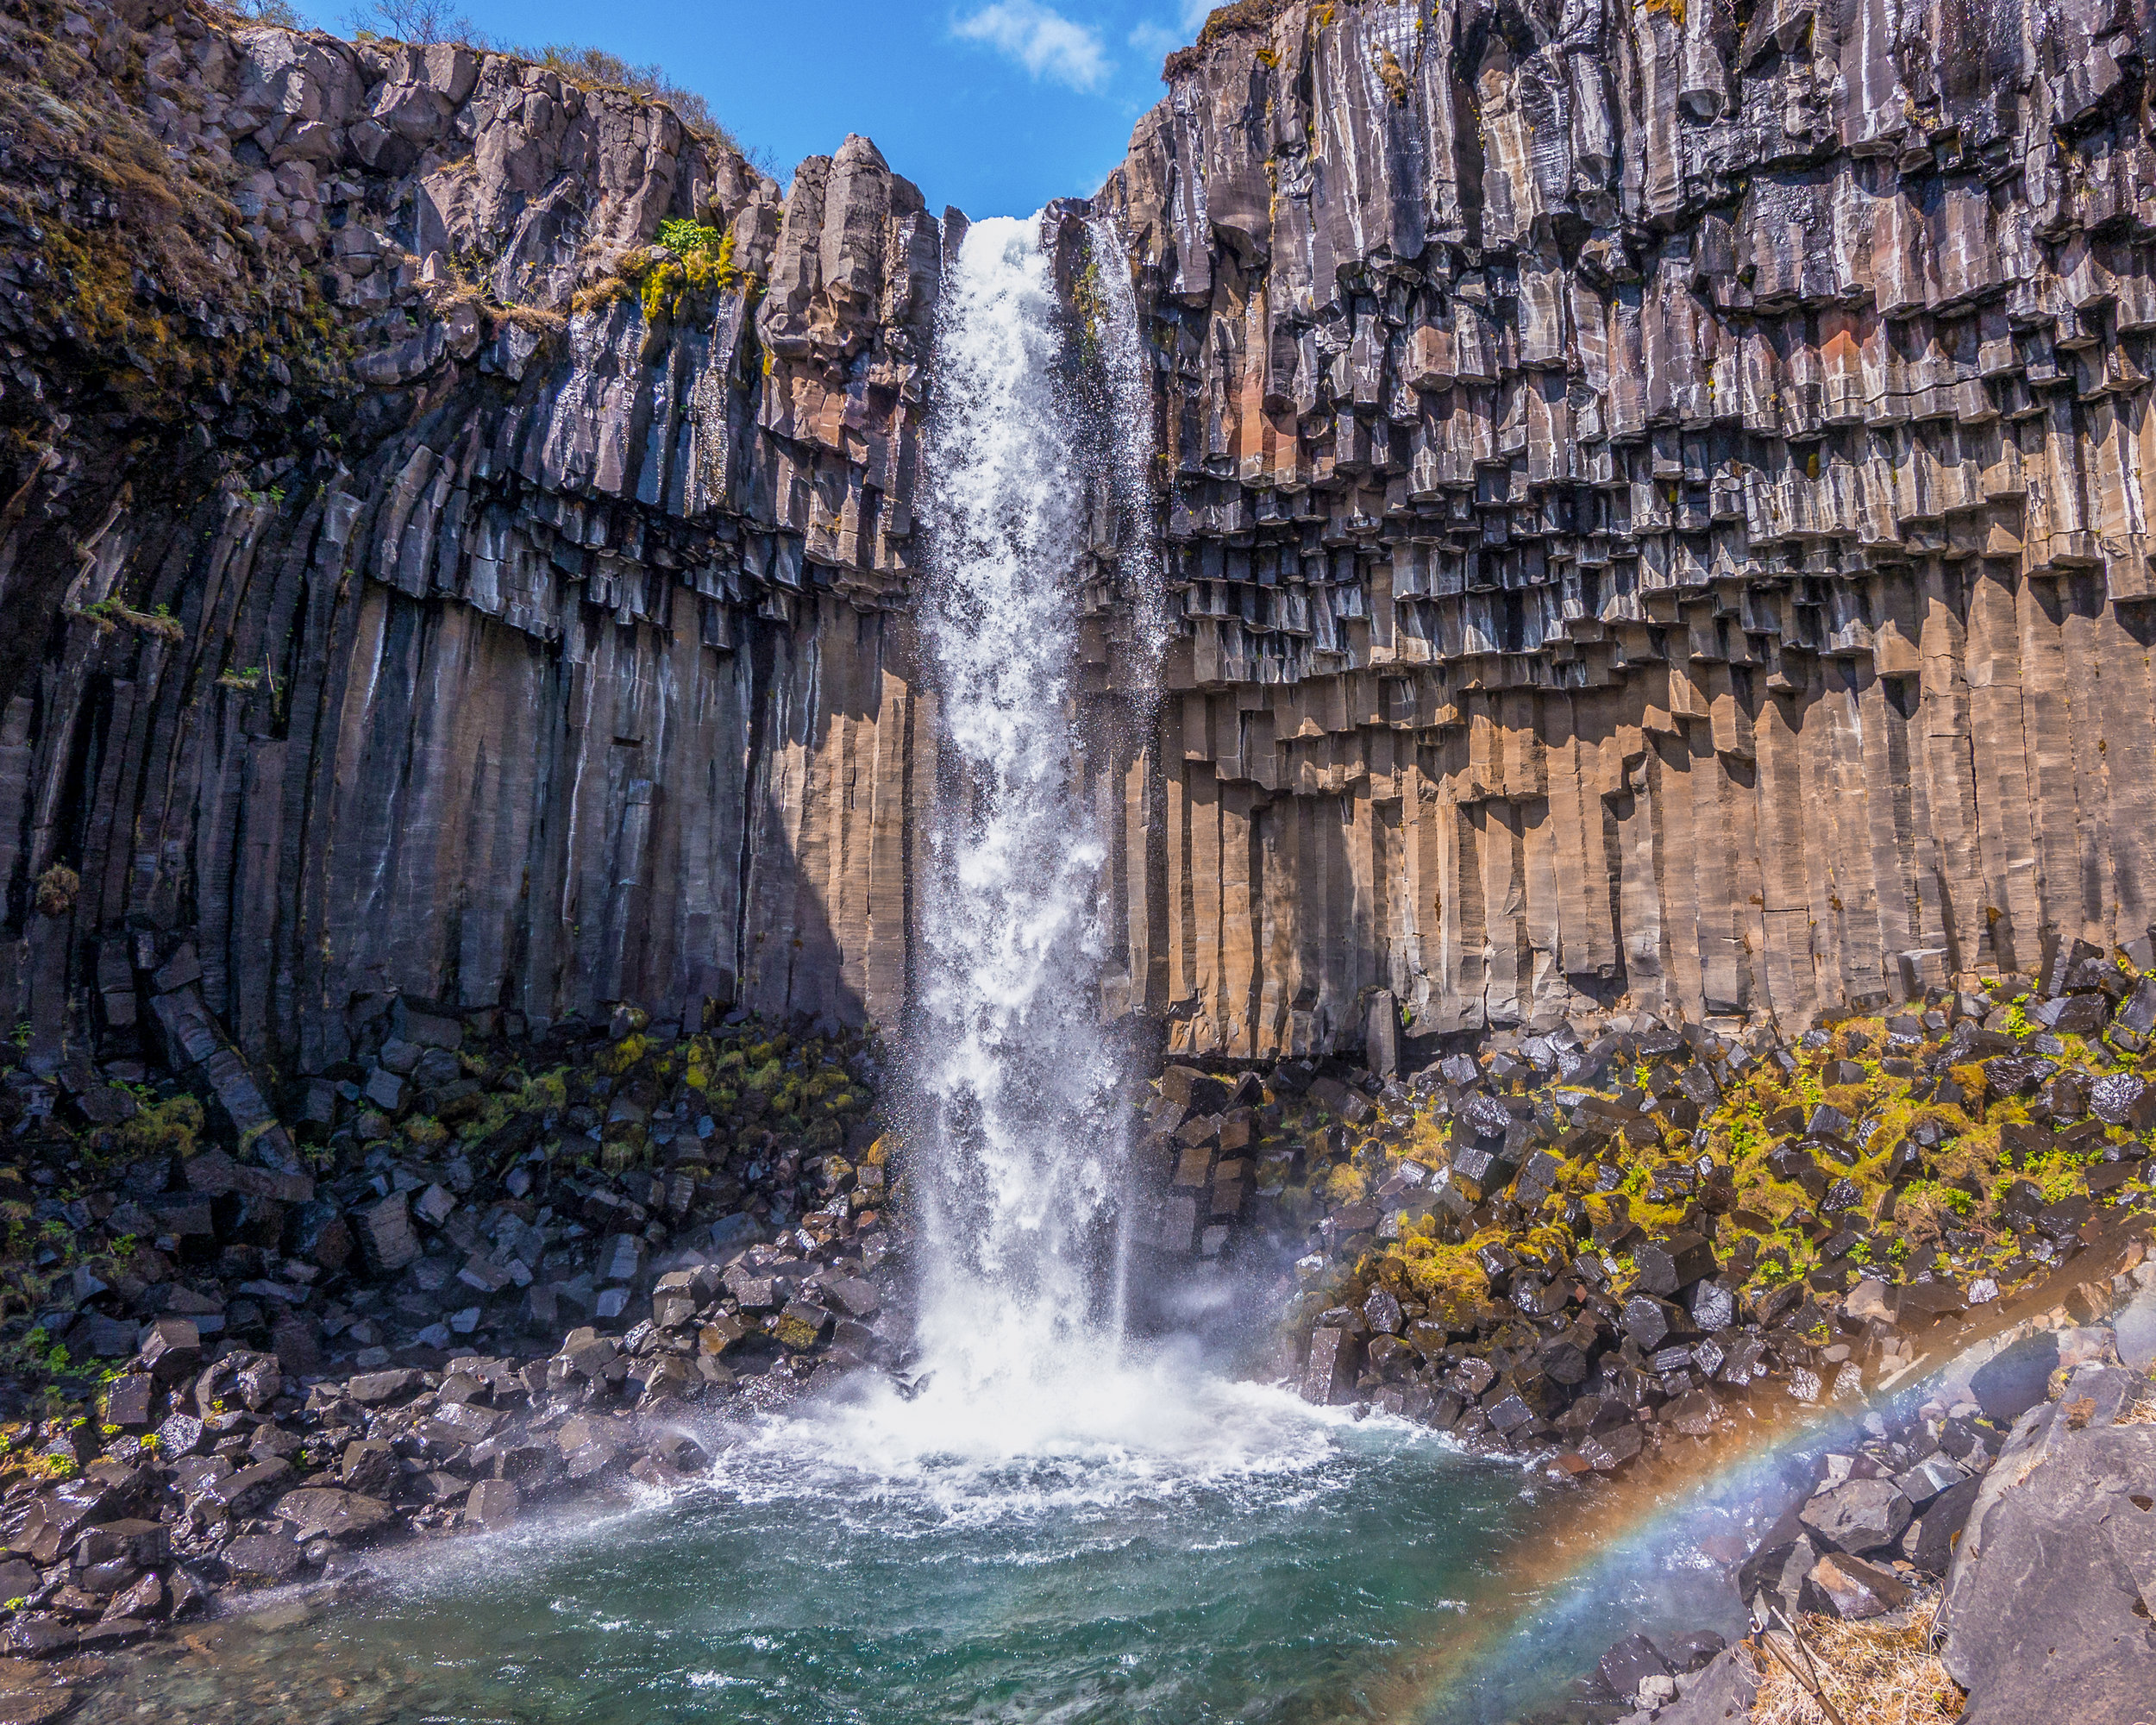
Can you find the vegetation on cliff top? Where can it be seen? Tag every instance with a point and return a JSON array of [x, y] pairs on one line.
[[426, 21]]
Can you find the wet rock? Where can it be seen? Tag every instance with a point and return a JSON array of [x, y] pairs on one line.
[[370, 1467], [1694, 1650], [494, 1504], [271, 1558], [1608, 1451], [1648, 1322], [1629, 1664], [1329, 1376], [1382, 1313], [1721, 1694], [171, 1351], [1667, 1265], [325, 1512]]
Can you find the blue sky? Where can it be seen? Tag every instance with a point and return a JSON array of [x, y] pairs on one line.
[[995, 106]]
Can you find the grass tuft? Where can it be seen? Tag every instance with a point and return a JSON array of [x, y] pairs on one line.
[[1883, 1672]]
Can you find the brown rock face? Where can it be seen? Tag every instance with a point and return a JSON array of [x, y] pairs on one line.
[[1657, 504]]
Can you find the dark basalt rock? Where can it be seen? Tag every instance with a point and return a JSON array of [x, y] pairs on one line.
[[1857, 1516], [2017, 1644]]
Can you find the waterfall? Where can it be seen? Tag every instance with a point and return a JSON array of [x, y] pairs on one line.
[[1028, 1394], [1019, 1147], [1131, 428]]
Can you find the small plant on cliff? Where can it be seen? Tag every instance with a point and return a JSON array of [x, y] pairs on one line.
[[167, 1128], [56, 890], [111, 610]]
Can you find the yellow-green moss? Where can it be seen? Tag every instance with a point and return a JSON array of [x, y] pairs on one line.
[[166, 1128], [617, 1058]]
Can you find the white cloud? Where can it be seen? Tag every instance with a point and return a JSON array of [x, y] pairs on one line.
[[1042, 39]]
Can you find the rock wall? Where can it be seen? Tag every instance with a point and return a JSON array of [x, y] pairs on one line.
[[1658, 502], [485, 603], [1653, 499]]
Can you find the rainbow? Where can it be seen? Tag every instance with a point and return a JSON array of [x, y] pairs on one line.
[[1564, 1577]]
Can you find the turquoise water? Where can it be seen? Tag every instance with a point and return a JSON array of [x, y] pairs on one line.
[[1241, 1557]]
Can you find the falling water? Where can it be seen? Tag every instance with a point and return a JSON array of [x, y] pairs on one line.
[[1131, 424], [1020, 1152]]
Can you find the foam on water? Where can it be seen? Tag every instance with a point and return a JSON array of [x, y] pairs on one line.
[[1136, 1434]]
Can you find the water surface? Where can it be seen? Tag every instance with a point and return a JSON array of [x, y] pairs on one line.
[[1192, 1550]]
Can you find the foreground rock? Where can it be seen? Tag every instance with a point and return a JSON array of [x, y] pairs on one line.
[[2050, 1591], [516, 1284], [2037, 1535]]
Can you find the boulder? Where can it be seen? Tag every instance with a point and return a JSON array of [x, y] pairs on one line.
[[2045, 1610], [494, 1504], [2017, 1379], [1720, 1695], [1859, 1516], [1928, 1542], [1852, 1589], [318, 1511], [1329, 1376], [270, 1558], [387, 1241], [1629, 1664], [370, 1467]]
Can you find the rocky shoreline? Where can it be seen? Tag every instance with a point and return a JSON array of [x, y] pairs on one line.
[[501, 1270], [1614, 1253], [483, 1267], [2034, 1450]]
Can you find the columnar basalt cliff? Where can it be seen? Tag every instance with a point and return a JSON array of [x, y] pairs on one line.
[[1658, 504], [487, 603], [1653, 499]]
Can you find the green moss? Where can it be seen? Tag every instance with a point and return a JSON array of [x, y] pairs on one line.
[[168, 1128], [1447, 1279], [426, 1132], [547, 1093]]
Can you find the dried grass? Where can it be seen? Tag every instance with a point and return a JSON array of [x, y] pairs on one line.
[[1874, 1675]]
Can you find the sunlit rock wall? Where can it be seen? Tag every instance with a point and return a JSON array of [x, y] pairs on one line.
[[1659, 505]]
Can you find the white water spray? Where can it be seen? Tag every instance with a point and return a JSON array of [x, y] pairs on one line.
[[1020, 1150], [1031, 1400], [1131, 407]]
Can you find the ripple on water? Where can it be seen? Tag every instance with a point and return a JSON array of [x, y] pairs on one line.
[[1223, 1552]]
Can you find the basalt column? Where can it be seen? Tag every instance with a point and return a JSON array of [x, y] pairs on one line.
[[1659, 505]]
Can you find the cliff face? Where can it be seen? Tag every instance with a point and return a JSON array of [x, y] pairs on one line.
[[418, 581], [1653, 500], [1659, 503]]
